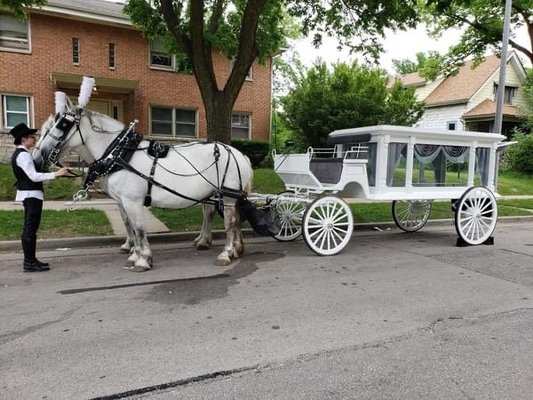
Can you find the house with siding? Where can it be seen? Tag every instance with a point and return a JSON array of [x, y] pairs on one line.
[[466, 101], [64, 40]]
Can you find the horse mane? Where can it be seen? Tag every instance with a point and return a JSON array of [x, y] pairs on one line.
[[91, 114]]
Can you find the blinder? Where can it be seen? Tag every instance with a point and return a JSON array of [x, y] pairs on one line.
[[59, 132], [64, 124]]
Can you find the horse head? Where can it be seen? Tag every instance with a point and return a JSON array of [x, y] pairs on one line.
[[58, 133], [70, 128]]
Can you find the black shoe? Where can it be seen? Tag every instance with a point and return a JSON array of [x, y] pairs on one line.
[[41, 264], [32, 266]]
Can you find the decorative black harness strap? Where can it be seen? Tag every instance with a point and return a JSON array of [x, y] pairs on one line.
[[129, 168], [157, 150], [121, 149]]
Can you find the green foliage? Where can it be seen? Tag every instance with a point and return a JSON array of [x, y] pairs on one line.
[[519, 157], [255, 150], [17, 6], [482, 25], [428, 65], [356, 24], [349, 96]]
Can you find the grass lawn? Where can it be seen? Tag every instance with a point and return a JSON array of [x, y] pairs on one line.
[[94, 223], [57, 224]]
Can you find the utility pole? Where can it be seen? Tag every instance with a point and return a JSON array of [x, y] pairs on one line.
[[498, 119]]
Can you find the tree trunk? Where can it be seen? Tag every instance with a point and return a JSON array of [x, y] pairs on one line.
[[218, 115]]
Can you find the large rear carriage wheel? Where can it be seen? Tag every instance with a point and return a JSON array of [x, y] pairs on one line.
[[476, 215], [411, 215], [327, 225]]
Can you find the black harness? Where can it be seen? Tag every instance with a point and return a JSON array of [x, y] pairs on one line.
[[119, 153], [156, 150]]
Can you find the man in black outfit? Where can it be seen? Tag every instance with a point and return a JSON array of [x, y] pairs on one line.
[[30, 192]]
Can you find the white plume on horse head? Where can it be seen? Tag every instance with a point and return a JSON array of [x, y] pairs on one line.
[[85, 91], [61, 102]]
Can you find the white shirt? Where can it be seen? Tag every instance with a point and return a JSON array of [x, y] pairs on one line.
[[25, 161]]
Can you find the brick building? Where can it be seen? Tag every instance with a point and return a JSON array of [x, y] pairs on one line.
[[135, 79]]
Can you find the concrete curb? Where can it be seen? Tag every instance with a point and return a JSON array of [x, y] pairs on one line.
[[172, 237]]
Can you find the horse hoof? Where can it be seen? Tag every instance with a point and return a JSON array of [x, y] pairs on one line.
[[222, 262], [124, 251], [202, 246], [135, 268]]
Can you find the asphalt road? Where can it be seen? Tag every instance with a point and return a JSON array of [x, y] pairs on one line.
[[395, 316]]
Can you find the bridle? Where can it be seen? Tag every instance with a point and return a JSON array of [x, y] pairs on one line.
[[62, 132]]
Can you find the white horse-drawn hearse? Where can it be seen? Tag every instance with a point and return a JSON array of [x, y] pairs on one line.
[[405, 165], [408, 166]]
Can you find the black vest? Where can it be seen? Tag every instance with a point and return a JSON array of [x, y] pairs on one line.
[[23, 181]]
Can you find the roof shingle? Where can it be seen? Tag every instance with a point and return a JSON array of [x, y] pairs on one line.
[[461, 87]]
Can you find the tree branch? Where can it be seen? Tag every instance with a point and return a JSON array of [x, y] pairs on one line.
[[172, 20], [521, 48], [248, 51], [218, 9]]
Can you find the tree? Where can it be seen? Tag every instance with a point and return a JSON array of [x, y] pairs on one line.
[[482, 21], [17, 6], [349, 96], [245, 30], [518, 156], [427, 65]]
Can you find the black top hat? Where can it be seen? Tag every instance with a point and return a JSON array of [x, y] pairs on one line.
[[20, 131]]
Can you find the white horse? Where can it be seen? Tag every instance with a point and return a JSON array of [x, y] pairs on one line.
[[190, 173]]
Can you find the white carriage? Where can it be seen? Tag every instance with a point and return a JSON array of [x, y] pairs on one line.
[[408, 166]]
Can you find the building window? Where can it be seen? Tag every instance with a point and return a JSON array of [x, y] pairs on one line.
[[159, 56], [173, 122], [15, 109], [240, 126], [75, 50], [13, 33], [249, 76], [112, 55], [508, 95], [160, 59], [451, 125]]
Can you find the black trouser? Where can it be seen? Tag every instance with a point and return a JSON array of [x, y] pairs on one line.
[[33, 209]]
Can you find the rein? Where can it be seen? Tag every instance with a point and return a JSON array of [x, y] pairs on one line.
[[119, 152]]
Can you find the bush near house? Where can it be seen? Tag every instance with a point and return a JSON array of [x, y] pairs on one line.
[[519, 157], [255, 150]]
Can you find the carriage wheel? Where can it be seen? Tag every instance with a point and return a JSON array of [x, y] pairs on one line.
[[290, 214], [327, 225], [476, 215], [411, 215]]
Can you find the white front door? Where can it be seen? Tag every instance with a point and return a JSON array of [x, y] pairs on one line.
[[112, 108]]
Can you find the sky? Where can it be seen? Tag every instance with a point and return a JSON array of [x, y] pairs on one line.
[[399, 45]]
